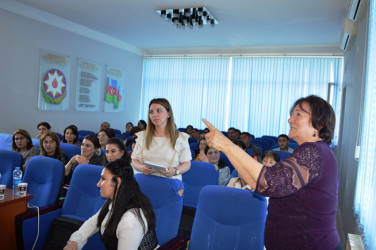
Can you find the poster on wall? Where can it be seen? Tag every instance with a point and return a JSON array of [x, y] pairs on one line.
[[54, 75], [88, 85], [114, 90]]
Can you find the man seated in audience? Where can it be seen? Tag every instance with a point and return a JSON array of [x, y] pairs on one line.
[[188, 129], [237, 133], [195, 134], [43, 128], [231, 133], [247, 139], [104, 125], [283, 142]]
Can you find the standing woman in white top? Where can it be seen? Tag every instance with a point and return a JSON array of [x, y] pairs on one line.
[[162, 143], [126, 220]]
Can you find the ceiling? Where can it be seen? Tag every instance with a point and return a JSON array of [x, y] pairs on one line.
[[243, 25]]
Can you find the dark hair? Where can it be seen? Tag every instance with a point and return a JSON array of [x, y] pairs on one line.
[[221, 163], [231, 128], [94, 139], [246, 133], [44, 124], [26, 135], [283, 135], [143, 122], [322, 116], [121, 146], [127, 196], [53, 137], [109, 132], [74, 131], [271, 153], [241, 144]]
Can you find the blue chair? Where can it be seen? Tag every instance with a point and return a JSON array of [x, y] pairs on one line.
[[192, 140], [59, 135], [166, 198], [70, 149], [82, 201], [225, 159], [5, 141], [84, 133], [9, 160], [282, 154], [35, 143], [229, 218], [200, 175], [44, 176]]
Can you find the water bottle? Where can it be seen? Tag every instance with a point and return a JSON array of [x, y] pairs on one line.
[[17, 175]]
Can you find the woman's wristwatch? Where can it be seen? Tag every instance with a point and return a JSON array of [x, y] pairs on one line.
[[177, 172]]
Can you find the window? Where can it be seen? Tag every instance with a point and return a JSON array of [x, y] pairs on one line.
[[252, 94], [365, 202]]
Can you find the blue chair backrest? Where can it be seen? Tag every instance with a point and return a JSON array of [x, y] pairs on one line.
[[84, 133], [44, 176], [9, 160], [35, 143], [165, 195], [225, 159], [5, 141], [228, 218], [83, 198], [200, 175], [282, 154], [192, 140], [59, 135], [70, 149]]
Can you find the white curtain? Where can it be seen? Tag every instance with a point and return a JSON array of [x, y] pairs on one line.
[[252, 94], [365, 202]]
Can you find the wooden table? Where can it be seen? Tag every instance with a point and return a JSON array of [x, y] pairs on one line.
[[11, 206]]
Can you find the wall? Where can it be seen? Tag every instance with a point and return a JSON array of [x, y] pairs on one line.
[[354, 70], [21, 39]]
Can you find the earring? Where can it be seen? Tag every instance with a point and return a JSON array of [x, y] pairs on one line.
[[314, 134]]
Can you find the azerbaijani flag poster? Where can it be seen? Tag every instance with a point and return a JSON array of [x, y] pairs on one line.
[[114, 90]]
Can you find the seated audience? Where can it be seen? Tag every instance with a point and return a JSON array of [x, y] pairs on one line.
[[22, 144], [213, 156], [200, 153], [128, 128], [247, 139], [126, 220], [195, 134], [202, 135], [50, 147], [269, 158], [104, 135], [283, 142], [115, 149], [104, 125], [231, 133], [71, 135], [132, 138], [188, 129], [90, 154], [43, 127], [141, 125]]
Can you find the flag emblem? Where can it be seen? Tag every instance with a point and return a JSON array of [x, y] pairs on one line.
[[54, 86]]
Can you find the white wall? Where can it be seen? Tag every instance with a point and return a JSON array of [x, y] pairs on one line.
[[354, 69], [20, 41]]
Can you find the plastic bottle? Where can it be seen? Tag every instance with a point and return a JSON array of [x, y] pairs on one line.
[[17, 176]]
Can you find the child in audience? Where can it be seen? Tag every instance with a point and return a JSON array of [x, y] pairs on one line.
[[22, 144], [50, 146]]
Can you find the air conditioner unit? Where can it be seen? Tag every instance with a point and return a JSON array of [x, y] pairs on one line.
[[354, 9], [348, 33]]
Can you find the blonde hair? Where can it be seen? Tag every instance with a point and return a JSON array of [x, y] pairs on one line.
[[171, 130]]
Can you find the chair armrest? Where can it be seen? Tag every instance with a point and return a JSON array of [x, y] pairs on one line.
[[179, 242], [27, 226]]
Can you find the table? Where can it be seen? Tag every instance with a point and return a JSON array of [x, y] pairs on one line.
[[10, 207]]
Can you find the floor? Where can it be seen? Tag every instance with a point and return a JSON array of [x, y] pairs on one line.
[[186, 222]]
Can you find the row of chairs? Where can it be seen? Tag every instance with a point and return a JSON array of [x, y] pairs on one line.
[[166, 196]]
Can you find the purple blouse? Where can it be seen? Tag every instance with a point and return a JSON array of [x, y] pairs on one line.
[[303, 191]]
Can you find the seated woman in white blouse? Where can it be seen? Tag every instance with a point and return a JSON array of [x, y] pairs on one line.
[[126, 220]]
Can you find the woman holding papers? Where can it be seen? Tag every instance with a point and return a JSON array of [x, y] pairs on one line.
[[161, 144]]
